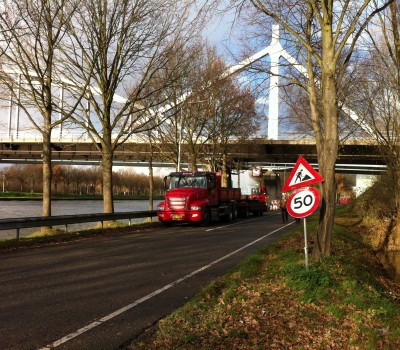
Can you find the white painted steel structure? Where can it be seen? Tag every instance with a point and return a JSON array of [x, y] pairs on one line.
[[275, 51]]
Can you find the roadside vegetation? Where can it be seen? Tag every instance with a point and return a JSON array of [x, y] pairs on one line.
[[18, 180], [271, 301], [65, 196]]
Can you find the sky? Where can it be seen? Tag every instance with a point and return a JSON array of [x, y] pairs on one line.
[[223, 33]]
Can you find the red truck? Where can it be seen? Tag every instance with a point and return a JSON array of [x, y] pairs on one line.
[[199, 198], [261, 195]]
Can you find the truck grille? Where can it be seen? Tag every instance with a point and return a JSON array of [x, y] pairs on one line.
[[176, 203]]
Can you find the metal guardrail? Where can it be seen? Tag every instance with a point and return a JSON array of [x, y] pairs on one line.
[[65, 220], [34, 136]]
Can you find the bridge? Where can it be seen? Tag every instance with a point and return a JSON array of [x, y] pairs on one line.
[[355, 156]]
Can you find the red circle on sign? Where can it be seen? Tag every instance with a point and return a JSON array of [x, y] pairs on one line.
[[303, 202]]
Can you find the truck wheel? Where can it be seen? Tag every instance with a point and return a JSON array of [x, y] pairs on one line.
[[235, 212], [230, 216], [207, 218]]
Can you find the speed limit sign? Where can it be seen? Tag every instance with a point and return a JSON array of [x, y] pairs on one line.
[[303, 202]]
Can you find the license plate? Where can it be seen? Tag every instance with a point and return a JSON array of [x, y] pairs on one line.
[[177, 216]]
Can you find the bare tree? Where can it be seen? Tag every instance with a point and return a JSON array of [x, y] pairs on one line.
[[216, 110], [123, 43], [68, 177], [322, 36], [379, 102], [235, 119], [183, 70], [34, 31], [17, 172], [32, 174]]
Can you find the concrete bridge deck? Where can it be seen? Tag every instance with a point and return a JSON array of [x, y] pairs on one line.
[[136, 151]]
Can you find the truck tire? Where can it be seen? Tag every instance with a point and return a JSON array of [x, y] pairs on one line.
[[207, 218], [231, 214], [235, 212], [257, 212]]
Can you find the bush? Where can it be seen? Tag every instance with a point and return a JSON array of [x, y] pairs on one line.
[[377, 201]]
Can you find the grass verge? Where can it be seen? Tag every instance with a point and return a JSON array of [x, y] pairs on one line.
[[271, 301]]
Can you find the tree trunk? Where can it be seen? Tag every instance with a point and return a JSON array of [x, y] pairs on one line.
[[47, 174], [193, 163], [224, 173], [192, 156], [47, 177], [106, 166], [327, 148], [151, 182]]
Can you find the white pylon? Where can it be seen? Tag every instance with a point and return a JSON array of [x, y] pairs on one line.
[[273, 108]]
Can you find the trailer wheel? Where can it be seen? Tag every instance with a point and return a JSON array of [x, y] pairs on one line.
[[235, 212], [230, 215], [232, 212]]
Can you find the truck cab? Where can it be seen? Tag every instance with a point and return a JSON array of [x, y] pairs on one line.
[[260, 194]]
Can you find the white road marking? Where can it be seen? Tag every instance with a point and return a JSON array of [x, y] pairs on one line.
[[151, 295], [234, 223]]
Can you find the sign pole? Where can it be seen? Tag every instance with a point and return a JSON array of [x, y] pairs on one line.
[[305, 243], [303, 201]]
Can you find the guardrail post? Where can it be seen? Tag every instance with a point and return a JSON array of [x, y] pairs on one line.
[[18, 233], [130, 220]]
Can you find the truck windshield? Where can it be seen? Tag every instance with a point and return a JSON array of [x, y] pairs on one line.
[[188, 181]]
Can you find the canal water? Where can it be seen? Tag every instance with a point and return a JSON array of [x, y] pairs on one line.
[[23, 209]]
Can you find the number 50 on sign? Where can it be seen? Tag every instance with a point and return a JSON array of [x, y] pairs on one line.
[[303, 202]]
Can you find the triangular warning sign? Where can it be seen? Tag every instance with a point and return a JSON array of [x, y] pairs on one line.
[[303, 174]]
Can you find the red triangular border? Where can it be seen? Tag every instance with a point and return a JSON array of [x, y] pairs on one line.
[[302, 161]]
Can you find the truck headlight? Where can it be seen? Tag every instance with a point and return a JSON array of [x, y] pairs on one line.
[[161, 207], [195, 207]]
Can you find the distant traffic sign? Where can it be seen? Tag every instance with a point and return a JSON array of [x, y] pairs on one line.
[[303, 174], [303, 202]]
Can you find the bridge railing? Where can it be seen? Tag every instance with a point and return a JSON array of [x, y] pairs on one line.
[[67, 136], [65, 220]]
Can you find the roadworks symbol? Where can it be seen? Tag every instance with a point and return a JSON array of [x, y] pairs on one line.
[[302, 174]]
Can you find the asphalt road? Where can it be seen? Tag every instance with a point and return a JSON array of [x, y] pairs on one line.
[[101, 293]]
